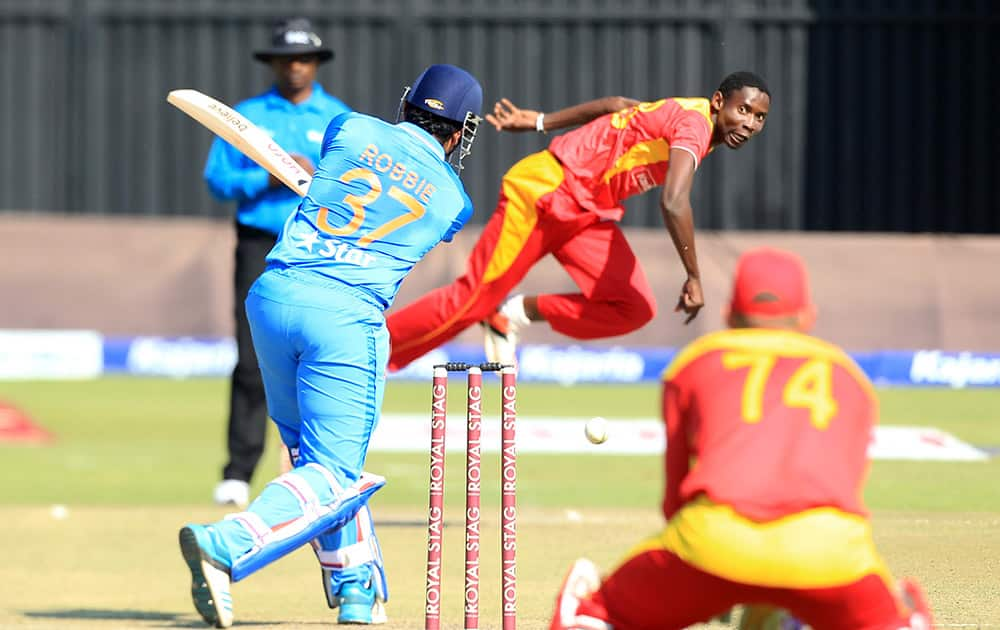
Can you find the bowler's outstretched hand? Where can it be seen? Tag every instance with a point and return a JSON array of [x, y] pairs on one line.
[[507, 116], [691, 299]]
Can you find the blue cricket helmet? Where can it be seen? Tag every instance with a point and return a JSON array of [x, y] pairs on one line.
[[447, 91]]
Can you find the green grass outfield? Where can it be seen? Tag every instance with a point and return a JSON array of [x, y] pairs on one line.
[[136, 458]]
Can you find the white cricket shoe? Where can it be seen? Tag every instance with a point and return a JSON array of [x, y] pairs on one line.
[[209, 580], [501, 329], [358, 602], [232, 492], [581, 580], [499, 341]]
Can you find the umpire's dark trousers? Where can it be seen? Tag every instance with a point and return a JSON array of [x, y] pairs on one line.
[[247, 404]]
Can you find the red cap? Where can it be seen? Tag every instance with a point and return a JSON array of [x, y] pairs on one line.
[[770, 283]]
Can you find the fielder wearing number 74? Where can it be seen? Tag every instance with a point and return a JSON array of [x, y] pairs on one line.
[[771, 512], [382, 196]]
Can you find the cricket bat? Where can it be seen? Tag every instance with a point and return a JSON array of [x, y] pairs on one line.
[[247, 137]]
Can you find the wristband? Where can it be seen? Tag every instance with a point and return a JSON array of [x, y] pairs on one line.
[[540, 122]]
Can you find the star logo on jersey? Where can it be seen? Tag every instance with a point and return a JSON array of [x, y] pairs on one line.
[[306, 241]]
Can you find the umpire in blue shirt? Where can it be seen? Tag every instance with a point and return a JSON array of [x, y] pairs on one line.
[[295, 112]]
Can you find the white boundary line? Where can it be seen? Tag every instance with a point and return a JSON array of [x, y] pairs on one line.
[[635, 436]]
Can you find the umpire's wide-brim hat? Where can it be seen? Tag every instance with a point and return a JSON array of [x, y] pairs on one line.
[[292, 37]]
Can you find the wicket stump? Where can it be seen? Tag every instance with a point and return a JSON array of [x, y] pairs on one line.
[[473, 485]]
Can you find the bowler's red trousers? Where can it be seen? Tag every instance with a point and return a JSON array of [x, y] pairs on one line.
[[536, 215], [656, 590], [820, 564]]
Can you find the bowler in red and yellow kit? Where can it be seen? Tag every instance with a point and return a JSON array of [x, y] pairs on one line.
[[767, 437], [566, 201]]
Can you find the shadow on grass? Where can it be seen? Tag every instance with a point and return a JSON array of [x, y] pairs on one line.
[[175, 620], [101, 613]]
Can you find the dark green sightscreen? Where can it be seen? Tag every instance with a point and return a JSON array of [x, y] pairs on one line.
[[879, 119]]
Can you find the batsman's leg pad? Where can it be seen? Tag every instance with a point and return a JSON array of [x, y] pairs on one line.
[[295, 508]]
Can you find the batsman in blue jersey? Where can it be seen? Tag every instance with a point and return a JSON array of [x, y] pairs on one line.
[[382, 196]]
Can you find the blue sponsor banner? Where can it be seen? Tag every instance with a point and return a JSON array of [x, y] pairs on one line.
[[594, 364], [177, 357], [954, 369], [182, 357], [560, 364]]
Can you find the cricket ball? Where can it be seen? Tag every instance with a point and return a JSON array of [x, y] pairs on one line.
[[596, 430]]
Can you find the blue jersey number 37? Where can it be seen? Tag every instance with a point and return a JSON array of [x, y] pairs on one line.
[[358, 203]]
